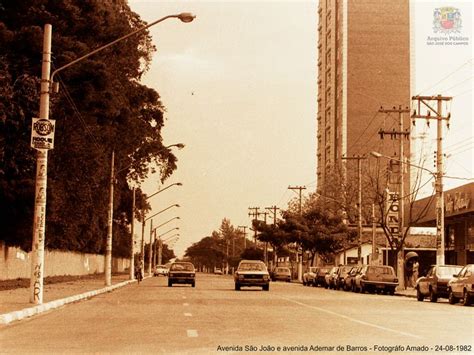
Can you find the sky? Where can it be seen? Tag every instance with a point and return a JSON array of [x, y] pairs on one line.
[[239, 87]]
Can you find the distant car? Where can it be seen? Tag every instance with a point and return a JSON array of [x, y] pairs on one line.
[[348, 284], [373, 278], [281, 274], [218, 271], [182, 273], [330, 277], [341, 274], [435, 283], [160, 270], [309, 276], [461, 286], [320, 275], [252, 273]]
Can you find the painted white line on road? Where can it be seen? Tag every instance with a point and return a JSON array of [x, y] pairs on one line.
[[353, 319], [192, 333], [185, 304], [188, 315], [184, 297]]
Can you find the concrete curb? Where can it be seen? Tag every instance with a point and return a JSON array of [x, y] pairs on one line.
[[29, 312]]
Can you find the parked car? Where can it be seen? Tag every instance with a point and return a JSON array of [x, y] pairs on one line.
[[182, 273], [320, 275], [348, 283], [218, 271], [252, 273], [341, 274], [330, 278], [373, 278], [281, 274], [160, 270], [309, 276], [435, 283], [461, 286]]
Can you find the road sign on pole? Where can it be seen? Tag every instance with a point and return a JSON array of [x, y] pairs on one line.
[[42, 133]]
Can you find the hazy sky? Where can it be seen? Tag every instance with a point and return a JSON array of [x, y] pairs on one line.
[[239, 85]]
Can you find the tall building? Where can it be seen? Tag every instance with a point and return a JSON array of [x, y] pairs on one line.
[[363, 64]]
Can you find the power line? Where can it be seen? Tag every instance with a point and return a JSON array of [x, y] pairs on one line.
[[363, 132], [447, 76], [77, 113]]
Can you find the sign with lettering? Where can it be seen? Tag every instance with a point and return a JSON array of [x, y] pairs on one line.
[[42, 133]]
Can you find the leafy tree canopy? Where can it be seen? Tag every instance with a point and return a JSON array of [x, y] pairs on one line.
[[101, 108]]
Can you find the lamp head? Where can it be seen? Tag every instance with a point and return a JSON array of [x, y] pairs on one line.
[[376, 154], [186, 17], [179, 184], [176, 205]]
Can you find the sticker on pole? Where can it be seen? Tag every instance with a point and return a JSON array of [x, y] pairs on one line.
[[42, 133]]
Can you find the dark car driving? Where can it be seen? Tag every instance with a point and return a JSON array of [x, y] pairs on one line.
[[182, 273]]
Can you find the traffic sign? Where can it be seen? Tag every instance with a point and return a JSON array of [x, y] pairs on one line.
[[42, 133]]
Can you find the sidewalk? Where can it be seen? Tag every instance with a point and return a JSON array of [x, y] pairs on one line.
[[15, 305]]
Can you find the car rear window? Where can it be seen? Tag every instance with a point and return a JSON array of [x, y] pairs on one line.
[[448, 270], [182, 267], [379, 270], [252, 267]]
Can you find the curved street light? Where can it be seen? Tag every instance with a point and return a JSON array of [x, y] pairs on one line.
[[47, 81], [172, 239]]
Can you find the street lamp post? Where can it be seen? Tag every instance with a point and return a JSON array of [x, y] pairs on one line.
[[39, 219], [143, 226], [154, 239], [160, 243]]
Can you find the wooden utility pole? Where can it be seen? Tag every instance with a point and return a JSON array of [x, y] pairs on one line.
[[273, 210], [438, 116], [300, 257], [359, 204], [245, 235], [402, 133], [254, 214]]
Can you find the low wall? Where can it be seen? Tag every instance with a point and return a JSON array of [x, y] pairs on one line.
[[15, 263]]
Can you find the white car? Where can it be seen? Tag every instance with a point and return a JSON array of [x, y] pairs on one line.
[[160, 270]]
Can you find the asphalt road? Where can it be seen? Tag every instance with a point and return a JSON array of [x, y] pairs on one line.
[[213, 318]]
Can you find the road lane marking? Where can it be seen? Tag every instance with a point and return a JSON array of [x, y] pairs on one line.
[[185, 304], [192, 333], [188, 315], [353, 319], [184, 297]]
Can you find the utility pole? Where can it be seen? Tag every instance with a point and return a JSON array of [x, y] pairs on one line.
[[274, 209], [401, 237], [374, 231], [142, 247], [150, 248], [108, 245], [265, 251], [359, 204], [132, 230], [254, 214], [39, 219], [425, 100], [300, 211], [245, 235]]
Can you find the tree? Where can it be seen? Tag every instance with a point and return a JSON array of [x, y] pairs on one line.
[[101, 107]]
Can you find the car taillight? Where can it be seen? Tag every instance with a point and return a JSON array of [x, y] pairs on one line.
[[395, 280], [192, 275], [241, 277], [266, 277], [364, 277]]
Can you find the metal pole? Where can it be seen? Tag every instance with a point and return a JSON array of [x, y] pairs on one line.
[[373, 233], [39, 219], [108, 246], [359, 212], [439, 188], [401, 251], [142, 252], [149, 249], [160, 251], [132, 230]]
